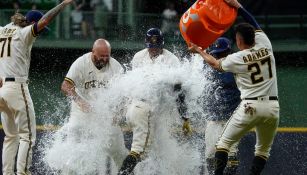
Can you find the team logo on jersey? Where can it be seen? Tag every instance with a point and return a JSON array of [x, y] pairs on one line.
[[95, 84]]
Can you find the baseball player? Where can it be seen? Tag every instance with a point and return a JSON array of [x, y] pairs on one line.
[[83, 82], [255, 75], [139, 111], [18, 117], [224, 99]]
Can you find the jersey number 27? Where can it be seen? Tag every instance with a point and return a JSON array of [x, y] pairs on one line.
[[3, 41], [256, 76]]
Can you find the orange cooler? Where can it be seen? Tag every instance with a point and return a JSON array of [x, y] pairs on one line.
[[205, 21]]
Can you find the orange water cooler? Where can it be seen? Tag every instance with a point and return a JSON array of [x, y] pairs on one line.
[[205, 21]]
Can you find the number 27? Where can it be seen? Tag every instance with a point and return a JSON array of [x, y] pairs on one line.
[[258, 70]]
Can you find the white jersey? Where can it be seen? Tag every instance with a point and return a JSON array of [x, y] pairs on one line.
[[15, 50], [254, 68], [142, 58], [88, 79]]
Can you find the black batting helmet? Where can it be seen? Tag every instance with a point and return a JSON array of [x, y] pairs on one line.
[[154, 38], [220, 47]]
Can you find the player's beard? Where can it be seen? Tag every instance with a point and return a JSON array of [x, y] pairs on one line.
[[155, 52], [100, 65]]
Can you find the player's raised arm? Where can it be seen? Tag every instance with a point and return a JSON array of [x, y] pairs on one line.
[[244, 13], [214, 63], [51, 14]]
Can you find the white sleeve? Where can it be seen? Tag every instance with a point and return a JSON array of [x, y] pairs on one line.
[[230, 63], [27, 34], [75, 74], [262, 38], [176, 61], [173, 59], [133, 62], [118, 68], [136, 61]]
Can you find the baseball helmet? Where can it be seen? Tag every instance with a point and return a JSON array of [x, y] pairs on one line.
[[221, 45], [154, 38]]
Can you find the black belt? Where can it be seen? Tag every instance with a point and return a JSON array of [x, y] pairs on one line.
[[9, 79], [256, 98]]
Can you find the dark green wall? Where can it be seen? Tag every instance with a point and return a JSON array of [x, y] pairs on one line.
[[292, 83]]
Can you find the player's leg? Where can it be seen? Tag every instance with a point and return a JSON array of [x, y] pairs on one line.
[[233, 161], [212, 133], [11, 139], [117, 150], [236, 127], [25, 118], [265, 133], [138, 118], [10, 143]]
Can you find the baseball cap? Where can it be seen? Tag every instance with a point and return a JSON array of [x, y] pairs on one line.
[[222, 44], [35, 16]]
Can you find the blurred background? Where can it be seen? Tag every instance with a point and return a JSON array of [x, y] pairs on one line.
[[124, 23]]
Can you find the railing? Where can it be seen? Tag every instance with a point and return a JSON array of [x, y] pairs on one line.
[[71, 25]]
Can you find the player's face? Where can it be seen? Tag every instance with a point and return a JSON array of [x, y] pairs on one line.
[[101, 57], [154, 52]]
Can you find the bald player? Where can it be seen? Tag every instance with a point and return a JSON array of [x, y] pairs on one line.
[[255, 74], [18, 116], [83, 82], [88, 73]]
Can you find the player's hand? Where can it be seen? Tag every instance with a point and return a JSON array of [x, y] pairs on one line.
[[84, 105], [195, 48], [233, 3], [186, 127]]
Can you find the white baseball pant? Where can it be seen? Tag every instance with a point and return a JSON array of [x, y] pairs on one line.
[[212, 134], [18, 120], [263, 114], [138, 118]]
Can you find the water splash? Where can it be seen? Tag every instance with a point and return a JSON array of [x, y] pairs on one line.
[[82, 145]]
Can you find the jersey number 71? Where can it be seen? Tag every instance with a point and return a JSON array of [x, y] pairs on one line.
[[3, 41]]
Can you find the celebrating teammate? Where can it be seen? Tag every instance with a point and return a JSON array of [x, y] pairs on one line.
[[139, 111], [83, 83], [18, 117], [255, 70], [224, 100]]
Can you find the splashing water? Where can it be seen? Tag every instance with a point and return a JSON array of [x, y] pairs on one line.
[[82, 145]]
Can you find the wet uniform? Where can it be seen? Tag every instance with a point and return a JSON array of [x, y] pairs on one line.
[[18, 117]]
